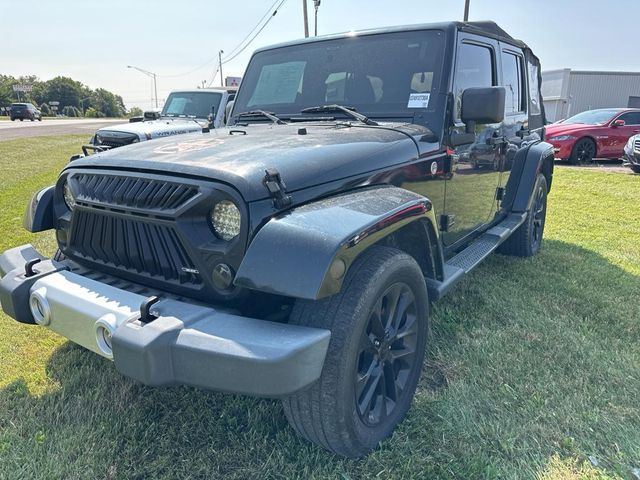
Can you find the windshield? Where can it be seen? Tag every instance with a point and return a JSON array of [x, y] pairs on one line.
[[592, 117], [383, 76], [191, 104]]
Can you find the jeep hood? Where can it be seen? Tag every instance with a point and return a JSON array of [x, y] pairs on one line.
[[304, 155], [154, 129]]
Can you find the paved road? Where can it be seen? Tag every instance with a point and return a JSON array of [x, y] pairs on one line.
[[10, 130]]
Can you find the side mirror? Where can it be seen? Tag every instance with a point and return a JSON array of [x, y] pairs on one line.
[[227, 111], [482, 105], [617, 123], [211, 118]]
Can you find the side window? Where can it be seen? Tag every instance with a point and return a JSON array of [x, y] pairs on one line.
[[474, 68], [630, 118], [512, 80], [534, 89]]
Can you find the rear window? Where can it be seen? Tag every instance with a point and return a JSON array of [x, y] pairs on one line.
[[18, 106]]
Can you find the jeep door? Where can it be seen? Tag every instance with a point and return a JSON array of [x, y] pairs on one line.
[[470, 191], [618, 136], [515, 132]]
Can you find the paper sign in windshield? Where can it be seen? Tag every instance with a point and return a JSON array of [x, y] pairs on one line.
[[278, 83], [418, 100]]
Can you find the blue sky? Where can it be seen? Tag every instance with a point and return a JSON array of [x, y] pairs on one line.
[[93, 41]]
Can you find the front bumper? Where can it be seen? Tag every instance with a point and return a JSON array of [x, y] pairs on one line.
[[631, 159], [562, 149], [184, 343]]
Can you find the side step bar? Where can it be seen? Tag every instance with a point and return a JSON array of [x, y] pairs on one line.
[[469, 258]]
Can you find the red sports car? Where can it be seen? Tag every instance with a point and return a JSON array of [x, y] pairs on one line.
[[599, 133]]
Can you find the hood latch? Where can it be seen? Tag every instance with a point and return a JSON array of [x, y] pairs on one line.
[[276, 188]]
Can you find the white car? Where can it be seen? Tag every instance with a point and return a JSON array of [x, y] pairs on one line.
[[184, 111]]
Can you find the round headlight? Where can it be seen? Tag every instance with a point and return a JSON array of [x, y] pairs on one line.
[[225, 219], [68, 196]]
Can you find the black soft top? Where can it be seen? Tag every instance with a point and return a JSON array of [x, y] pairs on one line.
[[486, 28]]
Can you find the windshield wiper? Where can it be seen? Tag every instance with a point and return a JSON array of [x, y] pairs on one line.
[[350, 111], [262, 113]]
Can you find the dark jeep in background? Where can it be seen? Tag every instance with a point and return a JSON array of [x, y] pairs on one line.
[[294, 253]]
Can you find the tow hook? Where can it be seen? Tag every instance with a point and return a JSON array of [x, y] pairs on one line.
[[28, 267], [145, 314]]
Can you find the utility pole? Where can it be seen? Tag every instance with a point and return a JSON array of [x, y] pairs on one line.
[[220, 67], [306, 18], [316, 4], [466, 10]]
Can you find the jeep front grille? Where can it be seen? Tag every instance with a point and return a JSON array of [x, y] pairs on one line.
[[133, 192], [115, 142], [134, 246]]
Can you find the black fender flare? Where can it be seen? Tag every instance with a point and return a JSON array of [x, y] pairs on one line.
[[528, 163], [306, 251], [39, 214]]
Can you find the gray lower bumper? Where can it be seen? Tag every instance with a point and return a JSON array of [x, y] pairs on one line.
[[186, 344]]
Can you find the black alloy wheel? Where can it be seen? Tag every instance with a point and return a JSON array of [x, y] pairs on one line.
[[387, 354], [583, 152]]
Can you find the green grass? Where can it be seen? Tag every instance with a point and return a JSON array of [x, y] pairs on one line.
[[534, 366]]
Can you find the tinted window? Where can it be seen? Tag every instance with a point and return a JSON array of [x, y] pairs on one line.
[[592, 117], [191, 104], [513, 82], [375, 74], [631, 118], [474, 68]]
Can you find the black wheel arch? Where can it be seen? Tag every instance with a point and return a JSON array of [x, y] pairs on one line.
[[325, 237], [528, 163]]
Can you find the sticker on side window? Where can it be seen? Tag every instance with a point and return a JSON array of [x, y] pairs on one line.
[[418, 100]]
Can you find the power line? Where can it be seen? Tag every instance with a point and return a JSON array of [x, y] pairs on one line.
[[211, 60], [253, 29], [231, 57]]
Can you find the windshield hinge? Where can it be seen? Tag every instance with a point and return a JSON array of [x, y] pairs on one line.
[[276, 188]]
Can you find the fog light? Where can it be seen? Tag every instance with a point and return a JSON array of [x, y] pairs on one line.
[[222, 276]]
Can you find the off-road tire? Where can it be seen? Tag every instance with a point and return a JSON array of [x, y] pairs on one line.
[[635, 168], [527, 239], [583, 152], [327, 413]]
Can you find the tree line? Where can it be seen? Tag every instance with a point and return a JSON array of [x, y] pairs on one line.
[[75, 99]]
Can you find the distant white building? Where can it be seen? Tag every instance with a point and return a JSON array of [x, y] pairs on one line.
[[567, 92]]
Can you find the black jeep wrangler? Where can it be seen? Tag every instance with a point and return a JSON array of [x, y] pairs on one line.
[[294, 253]]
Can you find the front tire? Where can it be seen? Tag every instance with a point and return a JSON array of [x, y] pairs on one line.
[[583, 152], [378, 324], [527, 239]]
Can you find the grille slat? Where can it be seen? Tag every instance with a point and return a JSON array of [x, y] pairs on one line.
[[132, 246], [636, 144], [134, 192]]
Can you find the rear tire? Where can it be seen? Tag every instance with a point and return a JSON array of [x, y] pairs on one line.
[[583, 152], [378, 324], [527, 239]]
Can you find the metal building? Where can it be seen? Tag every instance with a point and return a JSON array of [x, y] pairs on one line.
[[567, 92]]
